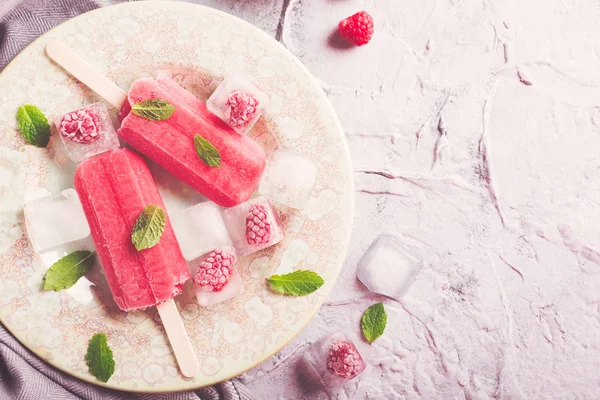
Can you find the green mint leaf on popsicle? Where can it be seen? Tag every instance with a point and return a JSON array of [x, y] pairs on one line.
[[153, 109], [66, 272], [207, 152], [99, 358], [33, 125], [297, 283], [374, 321], [148, 228]]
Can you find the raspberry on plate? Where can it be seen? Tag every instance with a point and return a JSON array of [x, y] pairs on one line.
[[216, 276], [258, 228], [81, 126], [253, 225], [87, 132], [241, 108], [238, 101], [357, 29], [214, 271]]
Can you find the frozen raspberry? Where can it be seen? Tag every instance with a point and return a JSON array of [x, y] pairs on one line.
[[258, 229], [81, 126], [215, 271], [241, 108], [343, 360], [357, 29]]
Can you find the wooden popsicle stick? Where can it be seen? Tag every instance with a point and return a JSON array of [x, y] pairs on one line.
[[180, 342], [86, 74]]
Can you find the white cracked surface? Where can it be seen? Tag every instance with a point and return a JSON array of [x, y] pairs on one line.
[[474, 128]]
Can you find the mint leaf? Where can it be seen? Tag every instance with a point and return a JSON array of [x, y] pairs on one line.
[[153, 109], [99, 358], [148, 228], [33, 125], [374, 321], [207, 152], [66, 272], [297, 283]]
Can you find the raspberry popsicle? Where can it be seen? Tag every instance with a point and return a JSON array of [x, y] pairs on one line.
[[114, 188], [171, 143]]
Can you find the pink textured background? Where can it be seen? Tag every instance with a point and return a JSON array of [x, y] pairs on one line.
[[502, 207]]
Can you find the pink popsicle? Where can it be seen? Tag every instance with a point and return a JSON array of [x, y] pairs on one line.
[[114, 188], [170, 143]]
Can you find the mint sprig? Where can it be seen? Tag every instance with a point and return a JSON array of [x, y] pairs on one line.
[[99, 358], [33, 125], [153, 109], [297, 283], [66, 272], [148, 228], [374, 321], [207, 152]]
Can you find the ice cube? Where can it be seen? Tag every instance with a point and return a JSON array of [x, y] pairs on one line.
[[388, 267], [55, 220], [253, 225], [87, 131], [288, 179], [216, 276], [238, 101], [200, 229], [82, 290], [334, 360]]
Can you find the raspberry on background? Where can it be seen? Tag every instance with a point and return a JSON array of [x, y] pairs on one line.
[[357, 29], [343, 360], [241, 108], [333, 360]]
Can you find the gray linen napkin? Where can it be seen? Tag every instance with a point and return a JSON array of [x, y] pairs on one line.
[[23, 375]]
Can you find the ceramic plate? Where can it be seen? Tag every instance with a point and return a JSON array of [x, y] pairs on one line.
[[198, 46]]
